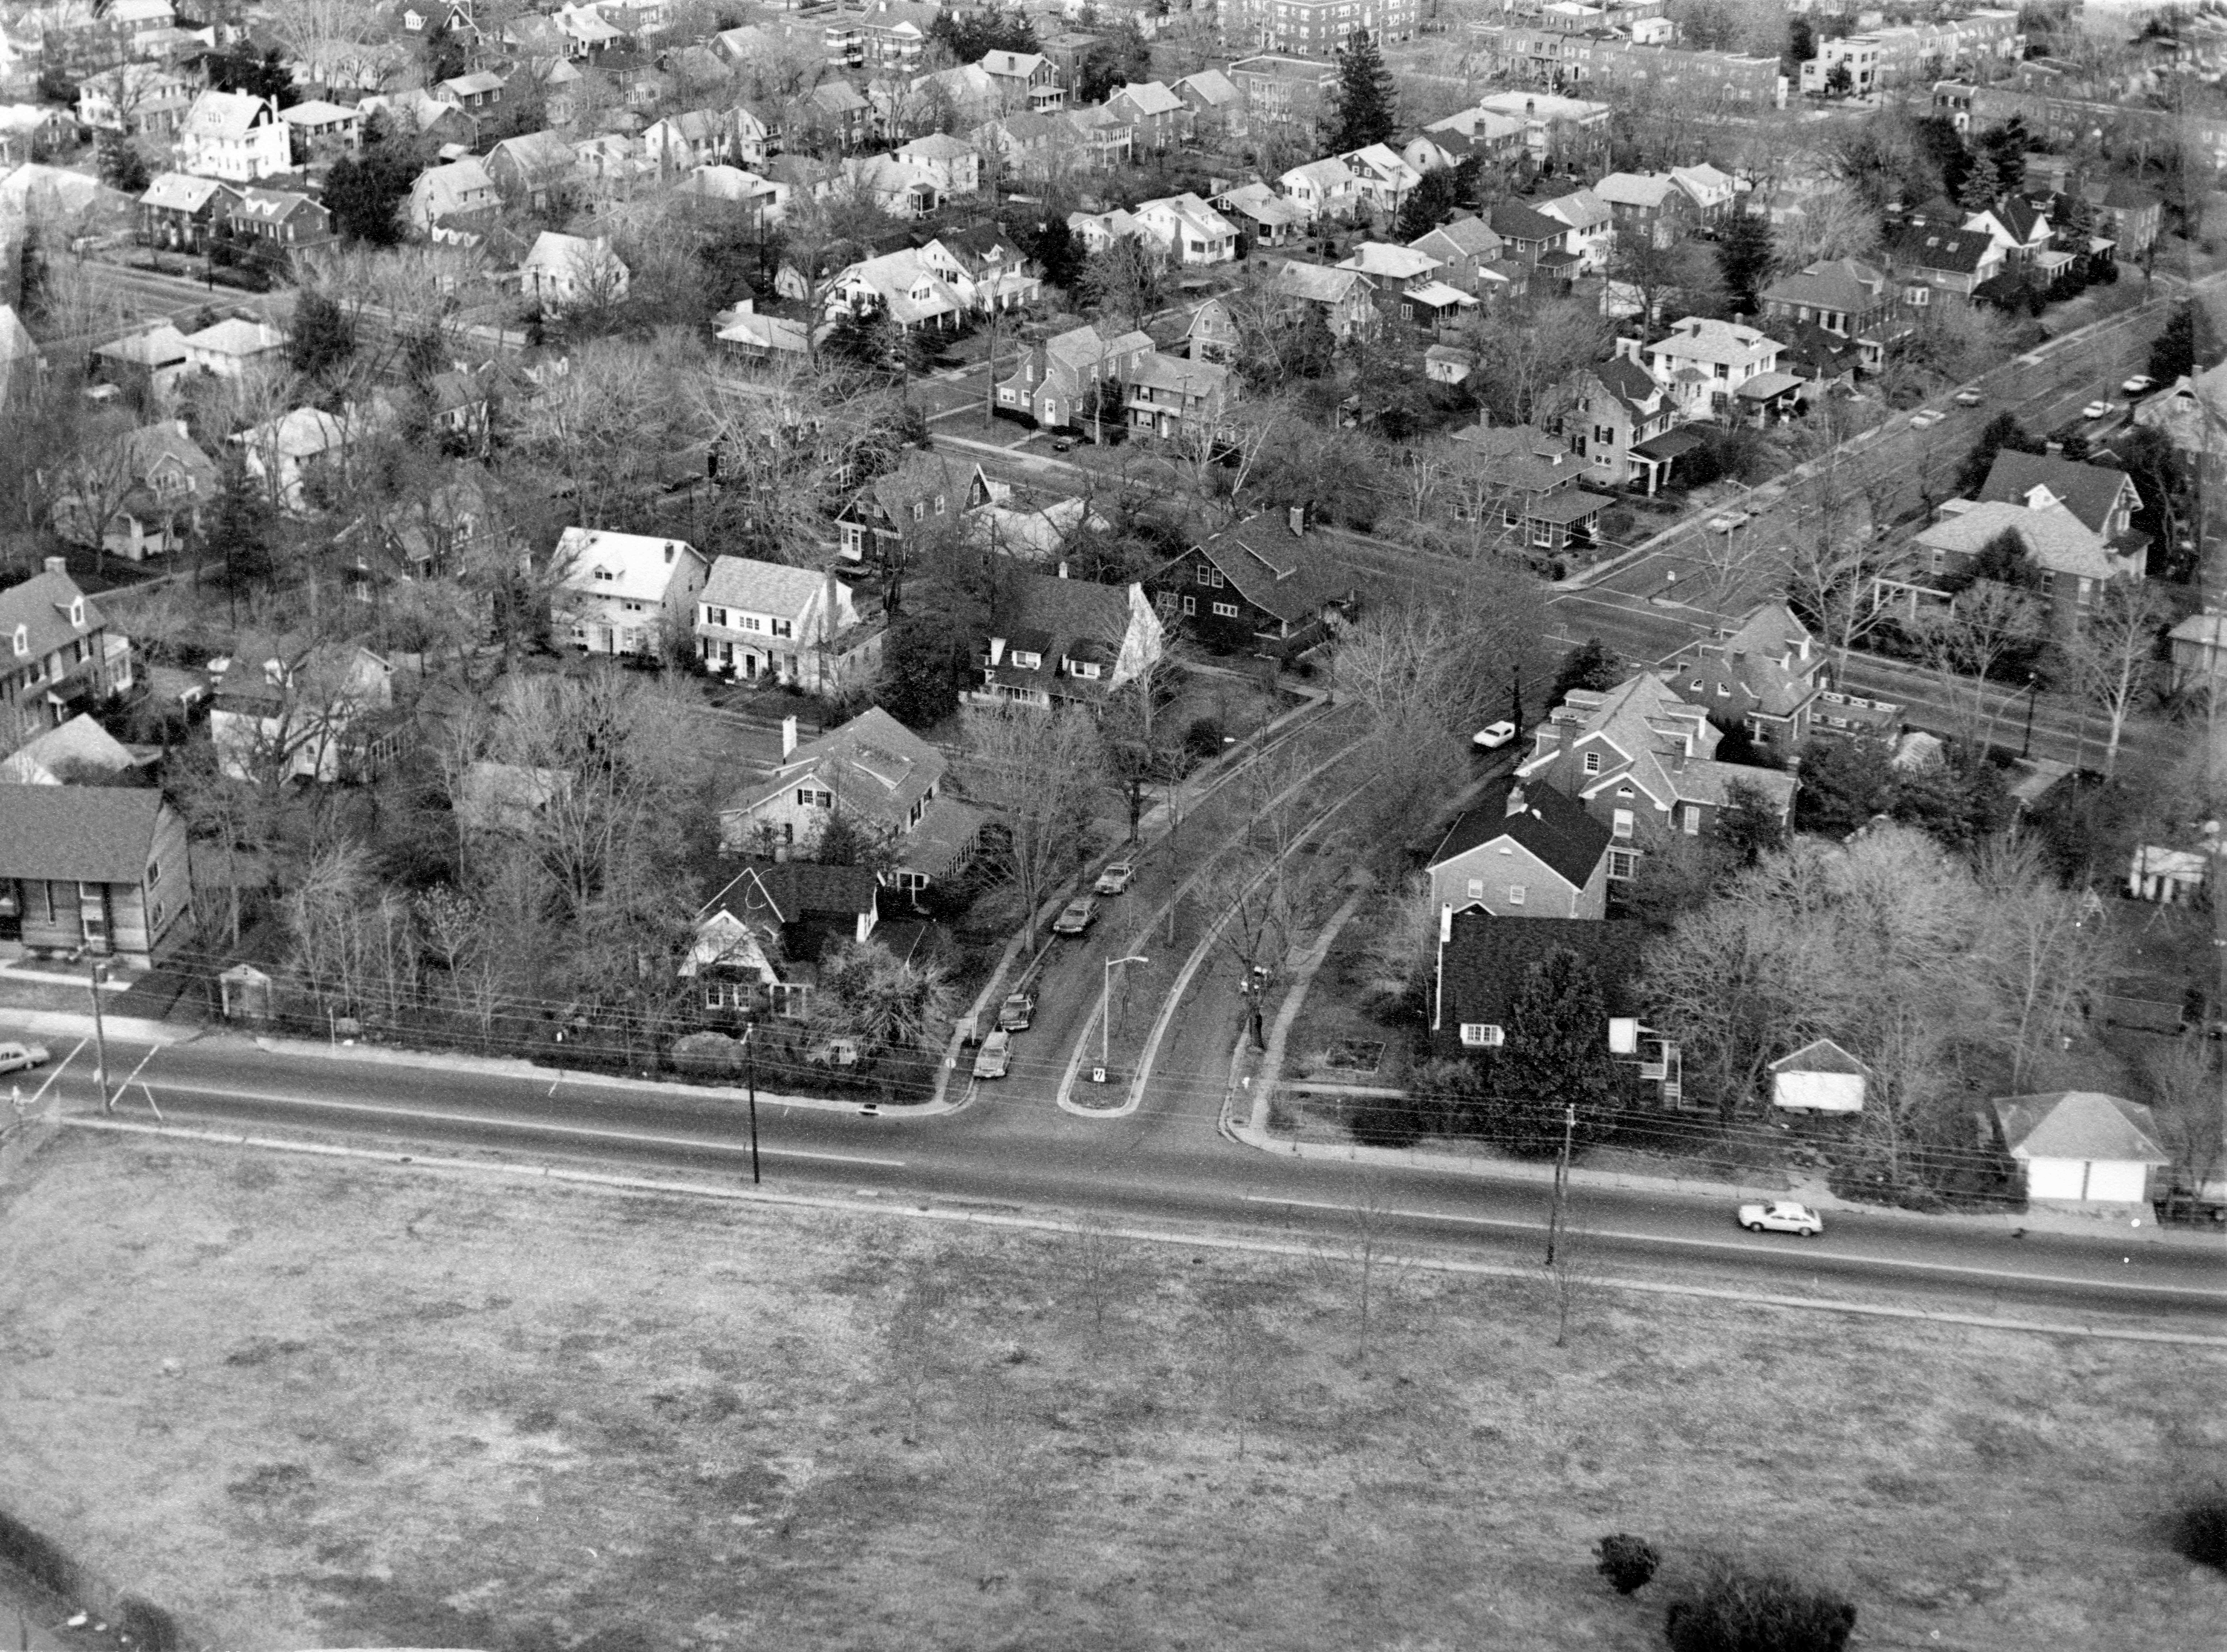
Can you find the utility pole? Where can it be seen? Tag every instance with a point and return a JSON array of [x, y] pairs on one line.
[[750, 1078], [1562, 1181], [99, 1035], [1105, 1008]]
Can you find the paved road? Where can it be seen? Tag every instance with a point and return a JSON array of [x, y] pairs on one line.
[[1167, 1165]]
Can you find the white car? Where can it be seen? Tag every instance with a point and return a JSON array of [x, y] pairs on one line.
[[1495, 734], [16, 1058], [1782, 1216], [2141, 384], [1926, 418], [1115, 878], [989, 1061], [1968, 397], [2096, 410]]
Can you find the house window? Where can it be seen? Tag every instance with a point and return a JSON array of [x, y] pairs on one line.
[[2048, 582], [1622, 824], [1622, 863], [1516, 894], [154, 872], [23, 640], [1477, 888], [1226, 611], [1690, 819], [1208, 574], [1026, 662], [811, 797], [1191, 604], [784, 627], [1482, 1034], [715, 615], [1592, 762], [919, 511]]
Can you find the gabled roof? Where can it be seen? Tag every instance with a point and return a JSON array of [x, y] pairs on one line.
[[2020, 219], [1326, 175], [1161, 372], [787, 891], [1701, 180], [1292, 576], [1847, 285], [1392, 263], [2082, 1125], [1316, 284], [1551, 826], [1580, 209], [1149, 98], [2056, 539], [1514, 221], [159, 346], [2088, 491], [762, 587], [1959, 252], [235, 337], [225, 114], [641, 565], [82, 835], [1462, 238], [875, 765], [1769, 656], [1630, 383], [1212, 86], [1696, 338], [77, 748], [1645, 190], [538, 155], [1486, 962], [181, 192], [938, 146], [1820, 1055]]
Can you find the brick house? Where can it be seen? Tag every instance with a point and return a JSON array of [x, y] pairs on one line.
[[98, 869], [1620, 420], [1521, 852], [57, 655]]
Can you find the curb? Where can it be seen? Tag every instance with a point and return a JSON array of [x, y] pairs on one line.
[[67, 1023]]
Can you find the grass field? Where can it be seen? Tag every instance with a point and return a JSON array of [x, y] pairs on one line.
[[411, 1410]]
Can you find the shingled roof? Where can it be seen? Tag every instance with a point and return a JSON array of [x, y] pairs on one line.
[[2088, 491], [77, 834], [1485, 962], [2079, 1124], [1547, 822]]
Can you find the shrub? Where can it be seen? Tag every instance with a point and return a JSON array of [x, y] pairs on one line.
[[1203, 739], [1626, 1561], [1383, 1121], [2201, 1534], [1729, 1609]]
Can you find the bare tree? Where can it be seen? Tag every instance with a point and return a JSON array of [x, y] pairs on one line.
[[1097, 1269], [2045, 951], [100, 480], [2190, 1111], [1237, 1351], [1965, 645], [2113, 654], [1036, 768]]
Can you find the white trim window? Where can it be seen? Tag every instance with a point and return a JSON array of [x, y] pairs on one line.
[[1515, 894], [1621, 825], [1483, 1034], [1623, 863]]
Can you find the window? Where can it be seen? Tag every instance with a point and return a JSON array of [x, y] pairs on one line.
[[1226, 611], [939, 504], [811, 797], [154, 872], [1622, 863], [784, 627], [605, 574], [1592, 762], [714, 616], [2048, 582], [1516, 894], [1481, 1035], [919, 511], [1723, 691], [77, 613], [1025, 660], [1191, 604], [1691, 819], [1477, 888], [23, 640], [1210, 575], [1622, 824]]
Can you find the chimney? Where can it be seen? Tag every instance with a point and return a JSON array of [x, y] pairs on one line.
[[1446, 922], [57, 565], [1296, 517], [669, 551], [1515, 800], [788, 735]]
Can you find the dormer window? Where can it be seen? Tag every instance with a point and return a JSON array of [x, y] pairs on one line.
[[605, 574], [77, 613], [23, 640], [1592, 762], [1025, 660]]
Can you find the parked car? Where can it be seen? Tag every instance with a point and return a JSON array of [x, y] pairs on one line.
[[989, 1061], [1926, 417], [1782, 1216], [1063, 444], [1015, 1013], [2141, 384], [1969, 397], [2096, 410], [1494, 735], [16, 1058], [1075, 916], [1115, 879]]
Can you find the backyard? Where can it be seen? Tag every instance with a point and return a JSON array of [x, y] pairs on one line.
[[302, 1402]]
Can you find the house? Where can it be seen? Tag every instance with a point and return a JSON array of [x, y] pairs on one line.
[[1210, 334], [798, 627], [1027, 80], [1188, 230], [2104, 499], [1855, 301], [888, 781], [1465, 250], [323, 714], [1258, 211], [1647, 205], [1326, 189], [692, 138], [2130, 214], [1382, 180], [911, 293], [1643, 760], [57, 655], [1704, 364], [1532, 238], [952, 165], [1483, 963], [1592, 227], [325, 128], [1259, 585], [151, 482], [136, 100], [1035, 148], [277, 219], [746, 192], [1280, 90], [1713, 193], [1618, 418], [229, 348], [417, 113], [1521, 852], [96, 870], [889, 184], [235, 136], [882, 523], [1530, 482], [1926, 259], [1346, 298], [457, 194], [1216, 106], [561, 270], [1389, 268], [1448, 364], [1059, 382], [1820, 360], [1003, 521], [2019, 230], [2073, 562], [180, 213], [1492, 136], [758, 939], [286, 452], [759, 341], [1053, 640], [77, 752], [2153, 873], [1763, 674], [1098, 231], [508, 799], [624, 593], [2198, 645], [477, 92], [1159, 117], [146, 364], [2081, 1148], [985, 266], [1174, 399], [1820, 1077], [23, 368], [532, 169]]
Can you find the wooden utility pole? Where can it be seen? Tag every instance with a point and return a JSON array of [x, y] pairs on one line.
[[1555, 1217], [100, 1037], [750, 1078]]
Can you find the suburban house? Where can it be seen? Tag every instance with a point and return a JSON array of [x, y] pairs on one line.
[[57, 655], [1159, 113], [1619, 419], [277, 219], [1820, 360], [1024, 81], [146, 364], [457, 195], [286, 453], [2154, 871], [910, 292], [1848, 298], [78, 752], [2105, 499], [2198, 645], [1188, 230], [1212, 334], [1532, 238], [887, 779], [881, 522], [531, 169], [1381, 177], [1258, 211], [736, 189], [683, 142], [2128, 214], [1647, 205], [1260, 584], [1490, 135], [2071, 561], [562, 271], [759, 940], [1098, 231], [1056, 640], [151, 483], [1174, 399], [233, 346], [1217, 107], [235, 136], [952, 165], [1324, 189], [99, 869], [1521, 852], [2081, 1148], [624, 593], [1344, 297], [328, 128], [1927, 259], [1058, 383], [2019, 230], [795, 625], [1592, 227], [1466, 249], [1643, 760], [1712, 192], [1763, 674], [1530, 482], [323, 715], [1706, 364], [1484, 962], [179, 212]]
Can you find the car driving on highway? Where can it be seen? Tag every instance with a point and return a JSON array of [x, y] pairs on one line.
[[1782, 1216], [1075, 916]]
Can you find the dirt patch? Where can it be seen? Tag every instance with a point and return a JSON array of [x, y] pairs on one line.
[[729, 1428]]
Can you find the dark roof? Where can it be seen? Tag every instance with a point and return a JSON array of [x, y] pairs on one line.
[[1290, 576], [788, 891], [1512, 220], [2088, 490], [1482, 968], [1960, 251], [82, 835], [40, 605], [1812, 352], [1628, 381], [2017, 214], [1551, 825]]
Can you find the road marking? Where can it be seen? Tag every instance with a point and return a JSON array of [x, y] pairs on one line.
[[1734, 1245], [584, 1132]]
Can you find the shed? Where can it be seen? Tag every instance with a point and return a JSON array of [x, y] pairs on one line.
[[2166, 876], [1820, 1077], [2081, 1147], [246, 993]]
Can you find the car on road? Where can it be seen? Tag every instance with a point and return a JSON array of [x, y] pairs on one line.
[[1075, 916], [1015, 1013], [1926, 417], [2141, 384], [1494, 735], [1063, 444], [16, 1058], [1115, 878], [2096, 410], [1782, 1216], [1969, 397], [996, 1051]]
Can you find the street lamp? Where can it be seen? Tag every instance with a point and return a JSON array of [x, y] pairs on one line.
[[1105, 1016]]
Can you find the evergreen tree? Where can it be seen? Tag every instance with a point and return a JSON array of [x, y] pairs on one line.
[[917, 686], [1748, 825], [322, 336], [240, 529], [969, 38], [1556, 1057], [1590, 665], [1744, 255], [2005, 148], [1368, 102], [866, 336], [1978, 191], [365, 193], [1429, 204], [2187, 343], [2001, 431], [1054, 248], [122, 167]]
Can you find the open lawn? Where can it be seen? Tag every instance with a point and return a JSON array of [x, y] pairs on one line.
[[416, 1410]]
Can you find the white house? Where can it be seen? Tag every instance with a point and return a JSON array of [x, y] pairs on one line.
[[2081, 1147], [1188, 230], [952, 165], [283, 452], [1820, 1077], [565, 270], [621, 593], [315, 716], [795, 625], [1704, 362], [1383, 178], [235, 136], [1326, 189]]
